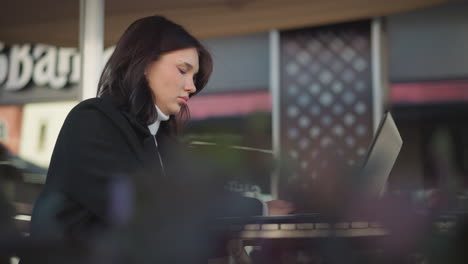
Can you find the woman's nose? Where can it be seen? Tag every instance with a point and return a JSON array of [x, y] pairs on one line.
[[190, 87]]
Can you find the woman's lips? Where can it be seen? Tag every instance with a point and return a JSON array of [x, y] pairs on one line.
[[183, 99]]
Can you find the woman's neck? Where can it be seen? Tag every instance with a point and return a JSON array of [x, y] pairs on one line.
[[161, 118]]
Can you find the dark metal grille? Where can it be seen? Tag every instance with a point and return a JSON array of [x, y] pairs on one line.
[[326, 100]]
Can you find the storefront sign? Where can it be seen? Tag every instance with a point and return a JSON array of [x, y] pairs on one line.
[[39, 72]]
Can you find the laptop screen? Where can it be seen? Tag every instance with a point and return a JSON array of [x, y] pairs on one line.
[[381, 157]]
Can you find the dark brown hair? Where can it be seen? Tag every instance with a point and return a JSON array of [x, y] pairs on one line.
[[144, 41]]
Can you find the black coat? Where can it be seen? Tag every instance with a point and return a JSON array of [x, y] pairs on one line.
[[105, 160]]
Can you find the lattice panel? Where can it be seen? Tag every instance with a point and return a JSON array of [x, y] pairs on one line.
[[326, 99]]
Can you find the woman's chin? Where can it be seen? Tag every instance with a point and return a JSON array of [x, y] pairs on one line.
[[175, 111]]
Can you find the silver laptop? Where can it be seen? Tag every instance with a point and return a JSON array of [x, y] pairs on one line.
[[380, 158], [369, 181]]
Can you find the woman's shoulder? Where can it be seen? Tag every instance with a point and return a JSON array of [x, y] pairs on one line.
[[93, 116], [94, 109], [96, 101], [93, 104], [102, 114]]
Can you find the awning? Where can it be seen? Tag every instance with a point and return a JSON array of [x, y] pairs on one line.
[[56, 22], [429, 92]]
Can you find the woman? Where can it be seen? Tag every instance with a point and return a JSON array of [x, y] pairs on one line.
[[117, 152], [129, 130]]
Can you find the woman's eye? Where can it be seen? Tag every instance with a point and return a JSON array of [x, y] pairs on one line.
[[182, 71]]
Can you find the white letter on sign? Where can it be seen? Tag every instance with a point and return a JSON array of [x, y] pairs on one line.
[[3, 64], [76, 63], [19, 59], [45, 66], [63, 69]]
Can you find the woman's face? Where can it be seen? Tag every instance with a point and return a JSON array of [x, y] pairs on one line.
[[171, 79]]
